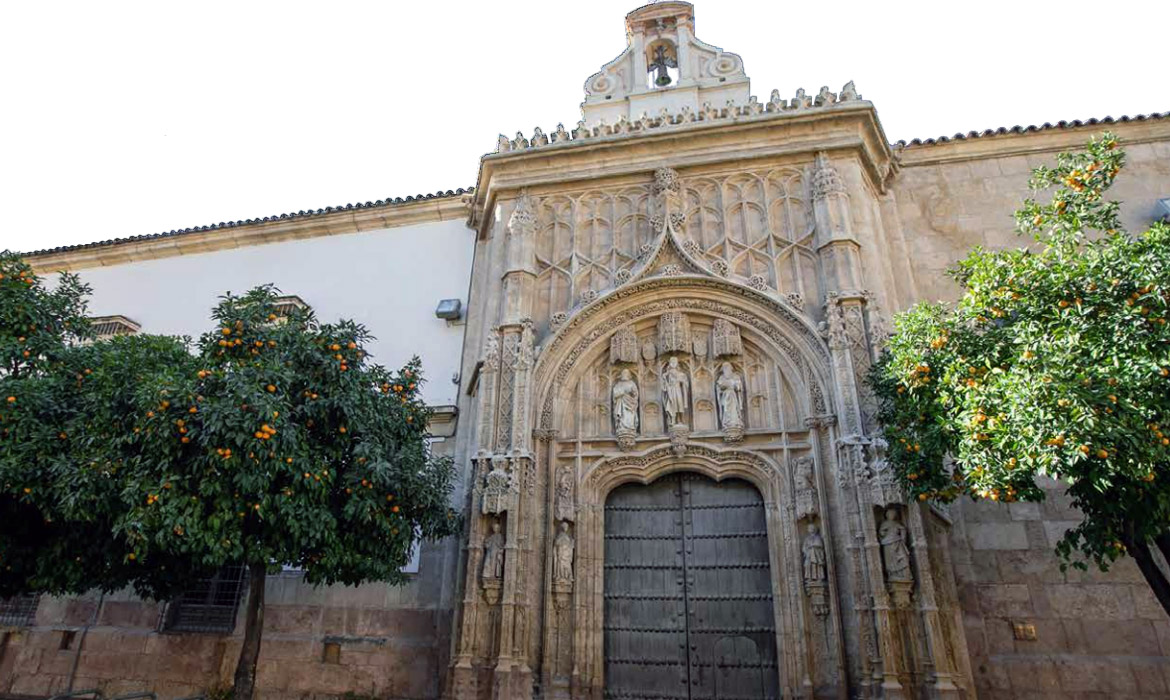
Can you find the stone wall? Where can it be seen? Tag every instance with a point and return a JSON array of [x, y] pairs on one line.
[[953, 196], [387, 649], [1097, 634]]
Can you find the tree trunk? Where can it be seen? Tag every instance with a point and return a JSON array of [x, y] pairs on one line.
[[245, 680], [1140, 551]]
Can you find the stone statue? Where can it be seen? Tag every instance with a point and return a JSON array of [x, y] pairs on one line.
[[564, 501], [730, 388], [895, 554], [497, 484], [493, 554], [814, 555], [674, 382], [625, 403], [806, 490], [563, 556]]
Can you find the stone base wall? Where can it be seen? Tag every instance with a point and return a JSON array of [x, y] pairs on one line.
[[386, 653], [1097, 635]]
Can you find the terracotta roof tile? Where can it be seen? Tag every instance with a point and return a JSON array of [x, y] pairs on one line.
[[1032, 128], [388, 202]]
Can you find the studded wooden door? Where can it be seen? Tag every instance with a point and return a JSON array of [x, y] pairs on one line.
[[688, 592]]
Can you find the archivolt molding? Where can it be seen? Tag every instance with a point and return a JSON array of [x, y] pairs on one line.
[[790, 331], [645, 467]]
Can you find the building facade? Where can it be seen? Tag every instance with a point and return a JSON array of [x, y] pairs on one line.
[[674, 483]]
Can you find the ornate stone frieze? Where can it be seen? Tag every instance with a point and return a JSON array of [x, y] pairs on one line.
[[769, 329], [664, 120]]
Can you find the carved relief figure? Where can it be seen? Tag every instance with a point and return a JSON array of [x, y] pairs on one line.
[[806, 491], [625, 403], [493, 554], [674, 384], [497, 484], [730, 388], [813, 550], [564, 502], [895, 553], [563, 556]]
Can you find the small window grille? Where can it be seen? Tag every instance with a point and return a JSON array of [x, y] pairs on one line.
[[209, 606], [106, 327], [19, 611]]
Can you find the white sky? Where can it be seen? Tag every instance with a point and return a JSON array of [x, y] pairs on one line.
[[127, 118]]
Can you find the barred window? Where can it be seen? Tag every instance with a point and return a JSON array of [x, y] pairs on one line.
[[19, 611], [209, 606]]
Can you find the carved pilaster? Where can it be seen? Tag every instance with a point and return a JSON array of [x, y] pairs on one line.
[[520, 275], [945, 674], [836, 244]]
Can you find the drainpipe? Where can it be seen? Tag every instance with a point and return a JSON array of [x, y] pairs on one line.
[[81, 642]]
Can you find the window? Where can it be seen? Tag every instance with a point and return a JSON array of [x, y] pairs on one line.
[[209, 606], [19, 611]]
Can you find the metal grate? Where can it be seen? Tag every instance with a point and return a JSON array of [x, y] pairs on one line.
[[19, 611], [210, 605]]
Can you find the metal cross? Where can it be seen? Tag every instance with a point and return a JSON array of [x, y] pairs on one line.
[[661, 63]]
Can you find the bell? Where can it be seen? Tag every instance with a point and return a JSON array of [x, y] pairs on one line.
[[663, 79]]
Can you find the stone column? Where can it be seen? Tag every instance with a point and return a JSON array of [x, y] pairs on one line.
[[944, 675], [837, 247]]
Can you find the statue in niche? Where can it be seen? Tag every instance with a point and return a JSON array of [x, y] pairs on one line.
[[493, 553], [674, 383], [806, 490], [625, 403], [730, 388], [497, 484], [563, 556], [813, 550], [564, 500], [895, 553]]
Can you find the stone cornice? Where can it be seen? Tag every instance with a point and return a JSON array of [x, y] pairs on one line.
[[1071, 136], [843, 126], [257, 233]]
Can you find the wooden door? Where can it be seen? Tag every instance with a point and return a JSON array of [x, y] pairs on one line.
[[688, 602]]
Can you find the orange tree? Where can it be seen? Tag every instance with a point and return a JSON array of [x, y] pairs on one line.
[[272, 441], [1054, 362]]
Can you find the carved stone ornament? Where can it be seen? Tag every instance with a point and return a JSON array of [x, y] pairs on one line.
[[725, 338], [834, 327], [649, 352], [699, 346], [758, 283], [895, 553], [557, 320], [497, 487], [806, 490], [884, 487], [564, 508], [674, 332], [563, 556], [538, 138], [796, 299], [848, 93], [623, 346], [824, 97], [720, 267], [623, 276], [560, 134], [491, 349], [678, 439], [826, 179], [801, 100], [493, 553], [729, 387], [666, 180], [526, 351]]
